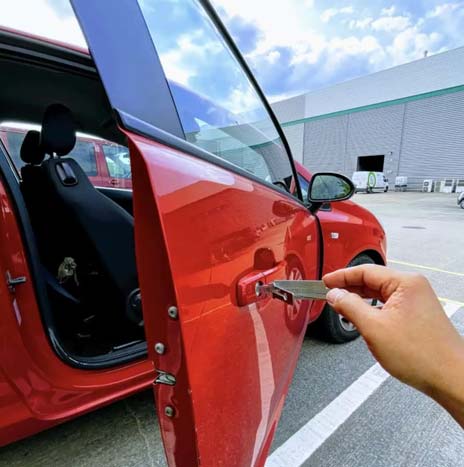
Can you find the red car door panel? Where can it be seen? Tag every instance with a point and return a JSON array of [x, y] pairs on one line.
[[232, 363], [201, 226]]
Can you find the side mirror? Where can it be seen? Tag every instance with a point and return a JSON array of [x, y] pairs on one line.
[[328, 187]]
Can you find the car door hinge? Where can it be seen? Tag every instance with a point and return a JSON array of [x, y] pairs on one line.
[[165, 378], [12, 282]]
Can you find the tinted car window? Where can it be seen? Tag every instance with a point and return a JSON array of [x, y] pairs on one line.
[[219, 109], [84, 154], [118, 161]]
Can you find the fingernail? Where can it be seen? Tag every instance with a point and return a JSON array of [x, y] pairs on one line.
[[334, 295]]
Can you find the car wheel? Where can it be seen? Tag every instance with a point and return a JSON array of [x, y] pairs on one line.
[[296, 314], [334, 327], [462, 204]]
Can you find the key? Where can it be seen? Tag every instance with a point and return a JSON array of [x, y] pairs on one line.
[[289, 291]]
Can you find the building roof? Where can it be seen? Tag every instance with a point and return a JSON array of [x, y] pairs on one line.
[[443, 71]]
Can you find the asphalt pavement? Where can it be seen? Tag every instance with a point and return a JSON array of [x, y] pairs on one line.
[[393, 426]]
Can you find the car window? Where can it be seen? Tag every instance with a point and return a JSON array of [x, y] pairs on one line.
[[84, 154], [15, 140], [304, 185], [219, 108], [118, 160]]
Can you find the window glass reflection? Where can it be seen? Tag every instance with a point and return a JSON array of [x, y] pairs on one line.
[[219, 109]]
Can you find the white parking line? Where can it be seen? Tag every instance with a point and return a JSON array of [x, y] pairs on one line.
[[301, 445]]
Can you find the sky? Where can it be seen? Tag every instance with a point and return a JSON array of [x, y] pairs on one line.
[[295, 46]]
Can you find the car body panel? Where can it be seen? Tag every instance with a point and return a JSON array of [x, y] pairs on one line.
[[232, 364], [347, 230], [246, 377]]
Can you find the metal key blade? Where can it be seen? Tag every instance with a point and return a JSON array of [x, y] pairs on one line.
[[288, 291], [302, 290]]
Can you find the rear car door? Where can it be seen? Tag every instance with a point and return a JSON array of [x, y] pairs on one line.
[[211, 182]]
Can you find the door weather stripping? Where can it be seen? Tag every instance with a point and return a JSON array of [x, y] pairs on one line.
[[165, 378], [12, 282]]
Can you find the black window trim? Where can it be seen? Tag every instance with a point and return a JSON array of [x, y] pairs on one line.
[[233, 47]]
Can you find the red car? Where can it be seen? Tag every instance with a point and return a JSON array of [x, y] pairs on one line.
[[110, 291], [108, 165]]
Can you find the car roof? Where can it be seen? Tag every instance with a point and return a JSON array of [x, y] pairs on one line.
[[35, 38], [40, 63]]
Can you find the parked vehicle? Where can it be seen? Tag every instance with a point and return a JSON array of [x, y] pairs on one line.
[[110, 290], [461, 200], [106, 164], [370, 181]]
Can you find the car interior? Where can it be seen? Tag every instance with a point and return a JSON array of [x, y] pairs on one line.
[[79, 239]]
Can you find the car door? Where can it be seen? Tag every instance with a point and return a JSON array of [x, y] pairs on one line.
[[213, 218]]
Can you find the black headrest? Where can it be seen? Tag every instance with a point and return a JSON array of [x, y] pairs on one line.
[[58, 130], [31, 151]]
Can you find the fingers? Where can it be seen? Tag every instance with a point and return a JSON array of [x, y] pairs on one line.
[[365, 292], [379, 281], [351, 306]]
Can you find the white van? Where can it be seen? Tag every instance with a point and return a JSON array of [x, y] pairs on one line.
[[370, 181]]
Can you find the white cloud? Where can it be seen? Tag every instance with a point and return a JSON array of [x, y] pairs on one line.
[[328, 14], [388, 11], [38, 17], [338, 49], [360, 23], [391, 23], [444, 9], [273, 56], [411, 44]]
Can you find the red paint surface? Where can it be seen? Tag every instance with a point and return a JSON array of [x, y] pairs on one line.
[[218, 216]]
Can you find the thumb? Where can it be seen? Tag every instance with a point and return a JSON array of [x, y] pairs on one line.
[[350, 305]]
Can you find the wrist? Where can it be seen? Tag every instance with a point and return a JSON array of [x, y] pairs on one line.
[[447, 384]]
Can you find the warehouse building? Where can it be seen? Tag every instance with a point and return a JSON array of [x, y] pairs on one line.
[[404, 121]]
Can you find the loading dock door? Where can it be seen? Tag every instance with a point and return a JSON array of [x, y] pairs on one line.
[[370, 163]]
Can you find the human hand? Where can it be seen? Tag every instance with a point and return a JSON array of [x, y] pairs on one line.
[[411, 336]]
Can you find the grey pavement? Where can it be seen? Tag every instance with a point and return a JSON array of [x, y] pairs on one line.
[[396, 426]]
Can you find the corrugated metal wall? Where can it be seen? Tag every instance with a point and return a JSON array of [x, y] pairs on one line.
[[324, 144], [433, 142], [375, 132], [420, 138], [294, 136]]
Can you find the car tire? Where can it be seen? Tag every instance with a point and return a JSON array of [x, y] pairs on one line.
[[334, 328], [461, 204]]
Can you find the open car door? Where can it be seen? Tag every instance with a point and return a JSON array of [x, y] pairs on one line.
[[213, 219]]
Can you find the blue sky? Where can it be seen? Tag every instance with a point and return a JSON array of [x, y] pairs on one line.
[[295, 46], [299, 45]]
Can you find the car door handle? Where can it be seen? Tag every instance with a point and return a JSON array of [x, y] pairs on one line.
[[248, 286], [114, 182], [12, 282]]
